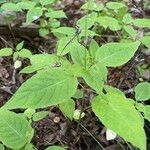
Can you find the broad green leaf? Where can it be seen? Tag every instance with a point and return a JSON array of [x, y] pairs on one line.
[[116, 54], [68, 108], [65, 31], [29, 147], [66, 44], [127, 19], [46, 61], [93, 77], [78, 94], [109, 89], [79, 54], [142, 23], [89, 33], [91, 5], [130, 30], [54, 23], [142, 91], [100, 70], [24, 53], [47, 2], [43, 32], [43, 60], [33, 14], [42, 90], [54, 14], [147, 113], [26, 5], [87, 21], [20, 46], [2, 147], [93, 48], [6, 52], [115, 5], [15, 130], [120, 115], [39, 115], [28, 69], [110, 22], [55, 148], [10, 7], [146, 41]]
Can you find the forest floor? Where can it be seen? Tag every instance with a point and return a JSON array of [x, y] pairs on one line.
[[56, 129]]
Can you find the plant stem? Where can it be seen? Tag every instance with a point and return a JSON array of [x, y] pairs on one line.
[[91, 135]]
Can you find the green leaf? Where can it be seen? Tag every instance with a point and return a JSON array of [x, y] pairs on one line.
[[6, 52], [28, 69], [79, 54], [29, 146], [47, 2], [127, 19], [40, 61], [130, 30], [89, 33], [55, 148], [109, 89], [26, 5], [2, 147], [142, 23], [39, 115], [146, 41], [29, 113], [20, 46], [15, 130], [78, 94], [68, 108], [93, 48], [93, 77], [142, 91], [110, 22], [116, 54], [140, 107], [47, 61], [87, 21], [54, 23], [25, 53], [10, 7], [33, 14], [91, 5], [115, 5], [120, 115], [65, 45], [55, 14], [43, 32], [147, 113], [65, 31], [42, 90]]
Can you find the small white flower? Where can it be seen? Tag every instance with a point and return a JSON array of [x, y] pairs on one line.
[[17, 64], [76, 115], [110, 135]]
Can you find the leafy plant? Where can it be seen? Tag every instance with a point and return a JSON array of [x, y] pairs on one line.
[[37, 10], [57, 78]]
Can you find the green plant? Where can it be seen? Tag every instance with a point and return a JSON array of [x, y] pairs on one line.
[[85, 65], [37, 10]]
